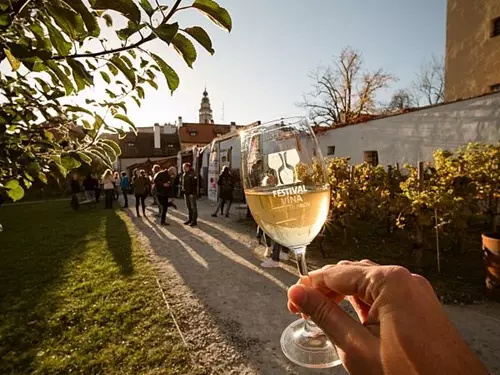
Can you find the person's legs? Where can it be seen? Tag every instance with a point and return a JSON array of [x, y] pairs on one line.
[[163, 200], [222, 207], [108, 198], [143, 203], [220, 204], [228, 207], [137, 202], [125, 198], [190, 210], [194, 209], [274, 261], [97, 195]]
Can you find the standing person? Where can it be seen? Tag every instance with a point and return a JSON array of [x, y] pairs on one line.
[[75, 190], [116, 185], [135, 175], [89, 184], [97, 191], [125, 187], [155, 170], [141, 184], [174, 182], [226, 187], [109, 188], [188, 187], [162, 185]]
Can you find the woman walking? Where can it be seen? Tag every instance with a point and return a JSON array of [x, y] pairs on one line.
[[116, 185], [109, 188], [141, 184], [226, 187], [125, 187]]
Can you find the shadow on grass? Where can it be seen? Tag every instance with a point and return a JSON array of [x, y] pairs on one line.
[[119, 243], [37, 243]]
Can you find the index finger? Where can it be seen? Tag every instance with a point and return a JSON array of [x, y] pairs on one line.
[[356, 279]]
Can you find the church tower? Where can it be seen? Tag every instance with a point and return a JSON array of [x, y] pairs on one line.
[[205, 109]]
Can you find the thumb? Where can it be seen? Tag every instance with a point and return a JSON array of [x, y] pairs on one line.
[[343, 330]]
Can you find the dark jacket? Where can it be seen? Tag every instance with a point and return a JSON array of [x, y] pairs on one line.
[[75, 187], [189, 183], [226, 186], [162, 178], [90, 183], [141, 185]]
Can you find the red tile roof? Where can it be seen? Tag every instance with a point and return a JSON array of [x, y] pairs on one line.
[[202, 134]]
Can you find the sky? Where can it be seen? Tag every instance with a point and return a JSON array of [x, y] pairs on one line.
[[260, 70]]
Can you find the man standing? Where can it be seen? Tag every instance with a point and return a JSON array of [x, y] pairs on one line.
[[189, 188], [162, 186], [155, 170], [125, 187]]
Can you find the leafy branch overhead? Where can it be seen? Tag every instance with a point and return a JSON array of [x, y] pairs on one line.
[[58, 48]]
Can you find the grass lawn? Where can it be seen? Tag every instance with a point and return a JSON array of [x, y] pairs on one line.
[[78, 296]]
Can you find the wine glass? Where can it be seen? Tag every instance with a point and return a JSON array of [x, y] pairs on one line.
[[286, 189]]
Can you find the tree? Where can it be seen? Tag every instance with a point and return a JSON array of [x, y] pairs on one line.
[[57, 48], [401, 100], [343, 92], [429, 83]]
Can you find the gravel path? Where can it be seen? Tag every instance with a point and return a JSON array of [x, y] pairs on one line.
[[232, 312]]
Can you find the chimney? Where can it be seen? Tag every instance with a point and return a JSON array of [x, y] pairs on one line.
[[233, 126], [179, 122], [156, 131]]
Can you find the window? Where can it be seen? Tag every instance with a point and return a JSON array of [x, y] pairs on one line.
[[193, 134], [495, 88], [330, 150], [131, 144], [170, 145], [371, 157], [495, 27]]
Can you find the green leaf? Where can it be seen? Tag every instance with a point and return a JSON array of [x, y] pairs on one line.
[[201, 36], [112, 69], [144, 63], [12, 184], [215, 13], [105, 77], [150, 74], [27, 183], [131, 52], [15, 192], [61, 45], [68, 86], [185, 48], [56, 161], [125, 7], [146, 5], [128, 72], [67, 19], [113, 145], [80, 74], [140, 92], [42, 177], [75, 108], [14, 63], [84, 157], [153, 84], [127, 61], [137, 101], [124, 118], [69, 162], [5, 20], [170, 74], [167, 32], [88, 18], [42, 42], [90, 65], [130, 30], [108, 20], [45, 87]]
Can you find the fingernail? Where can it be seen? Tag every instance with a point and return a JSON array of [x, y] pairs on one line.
[[297, 295]]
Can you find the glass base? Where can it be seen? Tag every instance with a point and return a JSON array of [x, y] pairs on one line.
[[305, 344]]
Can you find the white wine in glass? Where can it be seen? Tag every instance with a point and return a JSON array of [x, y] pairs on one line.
[[286, 189]]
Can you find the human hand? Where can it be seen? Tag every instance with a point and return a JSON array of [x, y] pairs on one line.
[[403, 329]]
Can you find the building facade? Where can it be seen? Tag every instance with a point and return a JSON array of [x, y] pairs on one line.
[[414, 136], [472, 48]]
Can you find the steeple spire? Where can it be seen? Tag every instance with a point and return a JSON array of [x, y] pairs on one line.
[[205, 109]]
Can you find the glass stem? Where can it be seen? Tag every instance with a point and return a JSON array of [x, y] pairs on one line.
[[310, 328]]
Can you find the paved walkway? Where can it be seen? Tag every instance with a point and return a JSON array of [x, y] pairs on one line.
[[232, 311]]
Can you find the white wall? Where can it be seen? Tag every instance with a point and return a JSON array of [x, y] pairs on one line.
[[412, 137]]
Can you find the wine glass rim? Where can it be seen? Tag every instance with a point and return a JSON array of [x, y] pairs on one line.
[[277, 121]]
